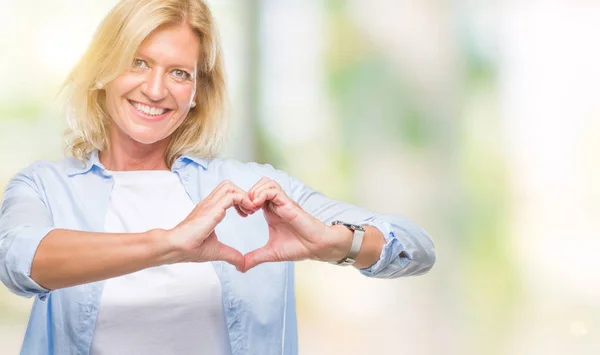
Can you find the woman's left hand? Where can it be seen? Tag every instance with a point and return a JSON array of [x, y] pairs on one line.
[[293, 233]]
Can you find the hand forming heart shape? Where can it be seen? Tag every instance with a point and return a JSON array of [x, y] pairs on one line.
[[293, 233]]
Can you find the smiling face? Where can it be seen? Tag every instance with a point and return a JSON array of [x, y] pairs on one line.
[[151, 100]]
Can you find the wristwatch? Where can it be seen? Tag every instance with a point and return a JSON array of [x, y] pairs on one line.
[[359, 233]]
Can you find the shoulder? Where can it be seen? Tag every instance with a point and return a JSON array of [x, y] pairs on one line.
[[41, 170], [234, 166], [41, 167], [249, 172]]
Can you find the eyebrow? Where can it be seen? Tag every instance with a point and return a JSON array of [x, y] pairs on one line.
[[151, 61]]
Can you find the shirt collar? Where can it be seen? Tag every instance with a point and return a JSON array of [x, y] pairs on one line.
[[183, 160], [93, 161]]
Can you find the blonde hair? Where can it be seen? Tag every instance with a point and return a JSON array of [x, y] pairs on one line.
[[112, 51]]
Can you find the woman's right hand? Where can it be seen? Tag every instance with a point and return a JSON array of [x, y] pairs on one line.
[[194, 239]]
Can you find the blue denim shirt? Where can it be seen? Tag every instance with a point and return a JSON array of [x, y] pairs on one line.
[[260, 306]]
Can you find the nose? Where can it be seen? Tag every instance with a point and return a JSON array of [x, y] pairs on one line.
[[154, 86]]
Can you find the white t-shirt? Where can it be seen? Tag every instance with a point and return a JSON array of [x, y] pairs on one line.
[[169, 309]]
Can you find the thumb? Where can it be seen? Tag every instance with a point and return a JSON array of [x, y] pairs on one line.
[[257, 257], [225, 252], [232, 256]]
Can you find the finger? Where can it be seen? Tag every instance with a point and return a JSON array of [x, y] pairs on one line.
[[261, 182], [225, 188], [269, 185], [247, 206], [243, 209], [240, 211], [232, 256], [257, 257], [239, 198], [220, 190], [261, 197], [264, 185], [215, 211], [276, 201], [272, 194], [228, 194], [213, 197]]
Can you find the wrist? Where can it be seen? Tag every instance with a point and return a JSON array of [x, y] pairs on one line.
[[367, 248], [162, 249], [370, 251], [341, 241]]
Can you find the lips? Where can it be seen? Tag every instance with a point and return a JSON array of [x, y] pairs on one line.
[[150, 113]]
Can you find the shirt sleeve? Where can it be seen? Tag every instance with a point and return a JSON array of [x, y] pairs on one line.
[[408, 249], [24, 221]]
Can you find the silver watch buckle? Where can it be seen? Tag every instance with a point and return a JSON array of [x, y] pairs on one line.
[[357, 239]]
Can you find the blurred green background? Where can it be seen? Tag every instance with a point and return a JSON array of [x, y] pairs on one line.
[[479, 120]]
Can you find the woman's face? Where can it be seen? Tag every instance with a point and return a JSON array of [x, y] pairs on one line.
[[147, 103]]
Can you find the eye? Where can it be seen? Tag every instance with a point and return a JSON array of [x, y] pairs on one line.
[[181, 74], [139, 64]]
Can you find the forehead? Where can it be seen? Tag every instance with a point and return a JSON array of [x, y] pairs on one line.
[[171, 45]]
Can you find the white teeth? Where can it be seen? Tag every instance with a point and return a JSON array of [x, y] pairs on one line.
[[152, 111]]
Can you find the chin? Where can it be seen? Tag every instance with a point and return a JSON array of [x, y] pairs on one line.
[[136, 132], [146, 137]]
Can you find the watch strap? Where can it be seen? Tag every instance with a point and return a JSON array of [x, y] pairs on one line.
[[357, 239]]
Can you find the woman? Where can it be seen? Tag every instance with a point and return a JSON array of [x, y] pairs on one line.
[[143, 242]]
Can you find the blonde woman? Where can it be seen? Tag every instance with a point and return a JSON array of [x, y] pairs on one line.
[[143, 242]]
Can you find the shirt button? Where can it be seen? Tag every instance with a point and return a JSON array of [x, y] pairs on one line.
[[186, 178], [231, 305]]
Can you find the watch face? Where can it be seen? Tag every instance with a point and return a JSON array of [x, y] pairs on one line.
[[349, 225], [354, 227]]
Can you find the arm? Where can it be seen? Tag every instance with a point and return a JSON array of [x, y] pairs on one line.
[[67, 257], [370, 250], [406, 249], [35, 257]]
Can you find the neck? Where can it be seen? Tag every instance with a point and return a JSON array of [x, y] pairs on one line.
[[127, 154]]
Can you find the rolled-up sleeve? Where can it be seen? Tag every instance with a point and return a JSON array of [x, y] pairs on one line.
[[24, 221], [408, 249]]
